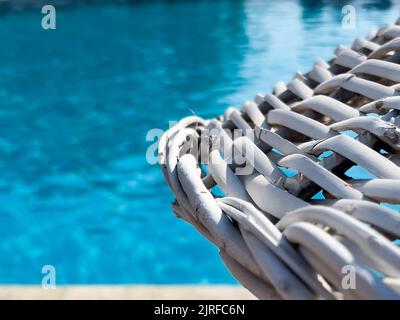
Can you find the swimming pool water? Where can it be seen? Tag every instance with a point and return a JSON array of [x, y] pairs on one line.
[[76, 104]]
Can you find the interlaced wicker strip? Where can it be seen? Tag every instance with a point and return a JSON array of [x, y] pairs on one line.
[[275, 234]]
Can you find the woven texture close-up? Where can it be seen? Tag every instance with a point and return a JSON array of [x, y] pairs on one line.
[[272, 184]]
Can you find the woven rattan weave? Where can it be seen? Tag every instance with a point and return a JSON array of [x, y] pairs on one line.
[[291, 222]]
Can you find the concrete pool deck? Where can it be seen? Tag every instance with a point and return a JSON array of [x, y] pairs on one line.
[[125, 292]]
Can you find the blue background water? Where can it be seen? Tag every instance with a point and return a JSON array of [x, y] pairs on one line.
[[76, 104]]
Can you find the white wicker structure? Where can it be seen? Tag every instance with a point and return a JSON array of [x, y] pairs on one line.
[[273, 235]]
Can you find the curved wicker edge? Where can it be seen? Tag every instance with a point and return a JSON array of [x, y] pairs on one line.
[[273, 236]]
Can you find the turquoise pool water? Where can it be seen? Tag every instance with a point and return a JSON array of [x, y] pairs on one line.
[[76, 104]]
